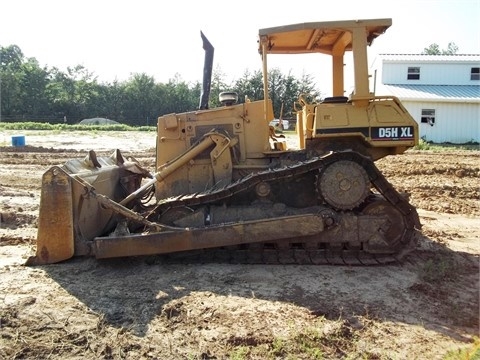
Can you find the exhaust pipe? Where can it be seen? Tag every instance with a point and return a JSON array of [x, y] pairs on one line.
[[207, 73]]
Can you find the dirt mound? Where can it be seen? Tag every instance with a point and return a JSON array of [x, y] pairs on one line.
[[98, 121]]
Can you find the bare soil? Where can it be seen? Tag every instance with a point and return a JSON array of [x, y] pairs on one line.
[[137, 308]]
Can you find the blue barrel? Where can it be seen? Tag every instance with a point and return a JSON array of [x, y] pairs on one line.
[[18, 140]]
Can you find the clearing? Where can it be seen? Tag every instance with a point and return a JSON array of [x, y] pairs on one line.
[[142, 308]]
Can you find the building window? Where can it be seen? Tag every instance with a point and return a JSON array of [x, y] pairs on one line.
[[413, 73], [428, 116], [475, 73]]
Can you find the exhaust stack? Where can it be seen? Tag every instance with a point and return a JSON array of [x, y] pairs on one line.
[[207, 73]]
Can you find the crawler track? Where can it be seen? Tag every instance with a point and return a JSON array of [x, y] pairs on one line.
[[302, 251]]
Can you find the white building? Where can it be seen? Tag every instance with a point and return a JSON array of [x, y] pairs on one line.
[[441, 92]]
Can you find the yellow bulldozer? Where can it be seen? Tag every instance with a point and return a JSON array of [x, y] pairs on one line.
[[225, 187]]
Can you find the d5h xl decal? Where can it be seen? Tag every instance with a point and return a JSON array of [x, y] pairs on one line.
[[392, 133]]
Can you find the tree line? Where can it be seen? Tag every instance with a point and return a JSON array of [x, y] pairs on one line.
[[32, 92]]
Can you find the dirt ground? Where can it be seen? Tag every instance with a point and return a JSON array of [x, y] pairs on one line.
[[423, 308]]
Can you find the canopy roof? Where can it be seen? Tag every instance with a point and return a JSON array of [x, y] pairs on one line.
[[321, 37]]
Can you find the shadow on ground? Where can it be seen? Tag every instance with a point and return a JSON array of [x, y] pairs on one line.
[[131, 292]]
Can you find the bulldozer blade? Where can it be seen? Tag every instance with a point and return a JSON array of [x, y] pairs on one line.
[[55, 238], [75, 206]]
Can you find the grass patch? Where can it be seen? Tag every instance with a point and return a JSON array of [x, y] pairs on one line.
[[320, 341], [76, 127], [239, 353], [470, 353], [422, 145], [305, 344], [426, 145], [440, 268]]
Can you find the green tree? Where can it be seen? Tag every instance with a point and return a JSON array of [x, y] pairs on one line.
[[283, 89], [85, 90], [60, 91], [72, 93], [178, 96], [276, 90], [33, 83], [109, 102], [139, 93], [434, 49], [452, 49], [11, 56], [218, 86], [249, 85], [308, 87], [11, 59]]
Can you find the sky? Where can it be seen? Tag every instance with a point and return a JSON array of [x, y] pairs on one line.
[[115, 39]]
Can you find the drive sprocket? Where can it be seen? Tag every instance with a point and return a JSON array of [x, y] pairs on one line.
[[343, 184]]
